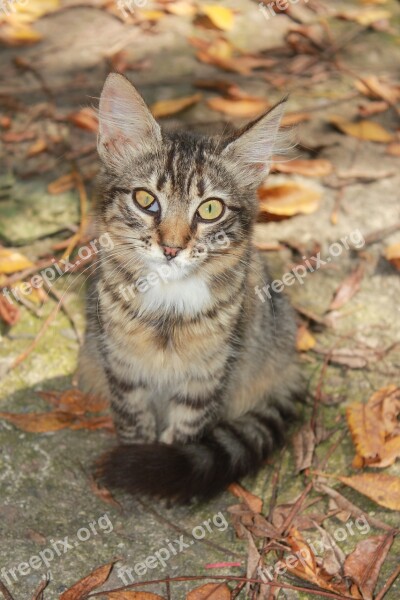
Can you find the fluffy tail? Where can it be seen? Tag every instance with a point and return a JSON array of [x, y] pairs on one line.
[[202, 469]]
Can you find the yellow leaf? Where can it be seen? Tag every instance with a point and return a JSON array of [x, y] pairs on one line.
[[363, 130], [19, 35], [288, 199], [367, 430], [248, 107], [392, 254], [220, 16], [151, 15], [166, 108], [379, 487], [12, 261], [366, 17], [305, 340], [181, 8]]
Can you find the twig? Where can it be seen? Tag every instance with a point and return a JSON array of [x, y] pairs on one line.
[[6, 593], [68, 313], [388, 584], [286, 586], [296, 508]]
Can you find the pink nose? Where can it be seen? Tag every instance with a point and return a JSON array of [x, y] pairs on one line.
[[171, 252]]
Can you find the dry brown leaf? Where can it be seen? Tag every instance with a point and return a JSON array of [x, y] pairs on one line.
[[348, 288], [393, 149], [307, 568], [210, 591], [362, 130], [373, 87], [9, 313], [181, 8], [248, 107], [131, 595], [290, 119], [39, 422], [12, 261], [365, 17], [103, 493], [166, 108], [379, 487], [88, 584], [150, 15], [254, 502], [308, 168], [363, 565], [367, 431], [85, 118], [220, 16], [288, 199], [304, 446], [392, 254], [39, 146], [305, 340], [62, 184], [74, 401], [93, 424], [19, 35]]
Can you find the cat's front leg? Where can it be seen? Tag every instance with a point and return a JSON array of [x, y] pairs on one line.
[[190, 415], [134, 420]]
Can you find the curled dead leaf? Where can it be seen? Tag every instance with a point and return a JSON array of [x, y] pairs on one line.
[[166, 108], [363, 130], [288, 199]]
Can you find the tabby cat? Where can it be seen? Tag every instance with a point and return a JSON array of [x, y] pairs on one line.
[[200, 372]]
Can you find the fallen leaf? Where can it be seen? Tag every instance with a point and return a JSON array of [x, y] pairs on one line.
[[220, 16], [166, 108], [290, 119], [363, 130], [308, 168], [85, 118], [88, 584], [103, 493], [288, 199], [392, 254], [131, 595], [363, 565], [367, 431], [249, 107], [12, 261], [379, 487], [14, 137], [364, 17], [181, 8], [39, 146], [150, 15], [373, 87], [305, 340], [38, 422], [9, 313], [75, 402], [254, 502], [393, 149], [304, 447], [62, 184], [210, 591], [348, 288]]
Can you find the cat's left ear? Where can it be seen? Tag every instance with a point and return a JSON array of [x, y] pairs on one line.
[[252, 148], [125, 122]]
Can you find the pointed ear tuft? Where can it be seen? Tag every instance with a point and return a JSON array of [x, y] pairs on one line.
[[125, 122], [252, 148]]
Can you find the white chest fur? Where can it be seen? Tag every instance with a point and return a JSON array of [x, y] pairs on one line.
[[188, 296]]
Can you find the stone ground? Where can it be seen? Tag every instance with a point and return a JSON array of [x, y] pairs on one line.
[[45, 491]]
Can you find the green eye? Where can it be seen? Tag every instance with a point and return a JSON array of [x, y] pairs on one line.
[[210, 210], [146, 200]]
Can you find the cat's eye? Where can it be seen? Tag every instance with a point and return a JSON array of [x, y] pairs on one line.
[[146, 201], [211, 209]]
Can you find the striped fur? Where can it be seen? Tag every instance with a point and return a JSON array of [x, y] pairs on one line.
[[201, 374]]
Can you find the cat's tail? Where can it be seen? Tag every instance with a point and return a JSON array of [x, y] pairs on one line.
[[202, 469]]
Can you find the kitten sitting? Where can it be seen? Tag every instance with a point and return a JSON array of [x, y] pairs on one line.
[[200, 373]]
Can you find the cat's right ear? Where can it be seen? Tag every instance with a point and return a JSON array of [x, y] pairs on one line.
[[125, 122]]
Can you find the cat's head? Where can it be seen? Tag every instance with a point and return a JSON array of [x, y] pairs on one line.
[[177, 199]]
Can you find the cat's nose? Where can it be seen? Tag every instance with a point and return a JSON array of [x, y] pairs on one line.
[[170, 251]]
